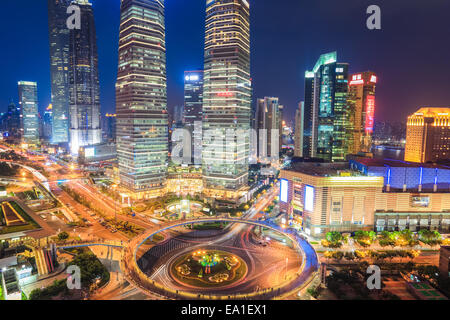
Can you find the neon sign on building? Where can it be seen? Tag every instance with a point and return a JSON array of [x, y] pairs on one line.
[[370, 113]]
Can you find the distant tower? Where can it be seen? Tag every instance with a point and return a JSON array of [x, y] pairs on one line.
[[428, 135], [268, 115], [84, 84], [59, 68], [193, 111], [141, 93], [298, 137], [326, 110], [361, 102], [227, 97], [30, 115]]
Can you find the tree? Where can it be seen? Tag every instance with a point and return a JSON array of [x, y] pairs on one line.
[[430, 237], [63, 236]]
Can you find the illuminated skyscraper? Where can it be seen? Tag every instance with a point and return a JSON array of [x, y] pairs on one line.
[[84, 90], [30, 115], [361, 102], [226, 99], [268, 119], [326, 110], [298, 138], [141, 93], [193, 111], [428, 135], [59, 68]]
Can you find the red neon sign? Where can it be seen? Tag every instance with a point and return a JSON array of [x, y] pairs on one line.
[[370, 113], [225, 94], [356, 79]]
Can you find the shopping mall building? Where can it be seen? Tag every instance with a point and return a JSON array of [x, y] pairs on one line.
[[366, 194]]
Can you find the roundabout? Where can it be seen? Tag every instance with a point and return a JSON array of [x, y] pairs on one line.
[[232, 266], [208, 269]]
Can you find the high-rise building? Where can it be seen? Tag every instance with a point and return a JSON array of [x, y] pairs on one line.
[[178, 112], [109, 127], [141, 93], [193, 112], [47, 120], [428, 135], [226, 99], [59, 68], [30, 115], [84, 90], [361, 103], [268, 118], [12, 123], [281, 125], [298, 137], [326, 111]]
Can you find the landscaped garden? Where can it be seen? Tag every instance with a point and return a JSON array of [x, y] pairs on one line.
[[208, 269], [14, 219]]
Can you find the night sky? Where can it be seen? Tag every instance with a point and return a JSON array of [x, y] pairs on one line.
[[411, 54]]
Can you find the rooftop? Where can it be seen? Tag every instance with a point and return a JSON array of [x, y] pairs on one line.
[[398, 163], [338, 169]]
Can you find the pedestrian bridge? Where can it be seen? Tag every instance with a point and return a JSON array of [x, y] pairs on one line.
[[138, 278], [83, 244]]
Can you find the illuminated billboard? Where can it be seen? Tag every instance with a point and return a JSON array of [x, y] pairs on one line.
[[309, 198], [284, 188], [370, 113]]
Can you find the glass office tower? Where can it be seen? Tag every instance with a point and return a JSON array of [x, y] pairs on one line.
[[30, 115], [193, 112], [59, 68], [326, 110], [226, 99], [141, 93], [84, 93]]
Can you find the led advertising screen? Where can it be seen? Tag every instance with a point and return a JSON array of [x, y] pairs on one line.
[[284, 188], [370, 113], [309, 198]]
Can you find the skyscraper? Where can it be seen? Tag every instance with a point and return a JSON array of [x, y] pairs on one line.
[[141, 93], [326, 110], [83, 80], [361, 103], [268, 119], [428, 135], [47, 120], [193, 111], [59, 68], [298, 138], [12, 123], [109, 127], [30, 115], [226, 99]]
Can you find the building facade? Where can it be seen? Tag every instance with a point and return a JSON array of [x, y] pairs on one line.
[[226, 99], [141, 94], [193, 113], [326, 111], [109, 127], [28, 101], [361, 102], [299, 130], [329, 197], [268, 119], [428, 135], [59, 68], [380, 195], [84, 88]]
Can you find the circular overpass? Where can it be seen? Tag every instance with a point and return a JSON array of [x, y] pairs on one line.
[[138, 278]]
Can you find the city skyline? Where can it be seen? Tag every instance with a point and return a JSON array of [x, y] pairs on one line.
[[399, 84]]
